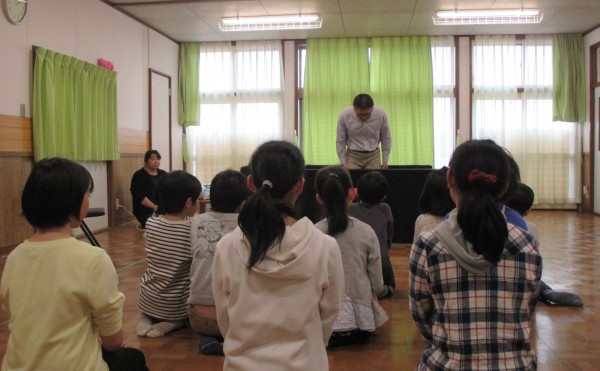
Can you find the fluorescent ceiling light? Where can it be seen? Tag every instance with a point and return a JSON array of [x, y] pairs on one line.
[[276, 22], [491, 16]]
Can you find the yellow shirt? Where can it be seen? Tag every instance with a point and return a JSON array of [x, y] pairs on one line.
[[60, 295]]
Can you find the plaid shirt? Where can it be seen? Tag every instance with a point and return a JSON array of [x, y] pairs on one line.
[[475, 322]]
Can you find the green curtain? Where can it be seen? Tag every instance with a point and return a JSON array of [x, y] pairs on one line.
[[402, 85], [74, 109], [189, 91], [569, 78], [336, 71]]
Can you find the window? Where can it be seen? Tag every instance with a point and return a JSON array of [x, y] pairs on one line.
[[444, 103], [299, 86], [512, 104], [241, 95]]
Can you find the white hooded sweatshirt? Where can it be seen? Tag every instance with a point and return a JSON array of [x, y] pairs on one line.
[[280, 315]]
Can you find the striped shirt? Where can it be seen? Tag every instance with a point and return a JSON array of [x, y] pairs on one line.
[[470, 321], [166, 283]]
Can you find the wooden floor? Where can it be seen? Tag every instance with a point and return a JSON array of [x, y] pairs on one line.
[[565, 338]]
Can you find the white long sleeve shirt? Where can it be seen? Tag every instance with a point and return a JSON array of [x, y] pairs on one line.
[[356, 135]]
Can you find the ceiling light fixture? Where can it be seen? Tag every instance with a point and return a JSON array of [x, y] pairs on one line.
[[491, 16], [275, 22]]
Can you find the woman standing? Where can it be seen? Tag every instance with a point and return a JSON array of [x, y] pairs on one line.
[[143, 184]]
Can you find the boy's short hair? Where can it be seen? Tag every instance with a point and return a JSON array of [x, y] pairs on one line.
[[54, 192], [228, 190], [149, 154], [174, 189], [372, 187], [522, 199]]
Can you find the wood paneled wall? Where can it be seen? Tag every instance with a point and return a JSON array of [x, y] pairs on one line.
[[15, 134], [133, 141], [122, 171], [16, 162], [15, 170], [133, 144]]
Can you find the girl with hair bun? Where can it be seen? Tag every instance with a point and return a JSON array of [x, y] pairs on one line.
[[474, 279], [277, 280]]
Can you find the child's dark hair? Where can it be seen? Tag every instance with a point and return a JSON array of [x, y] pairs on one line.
[[522, 199], [435, 196], [54, 192], [333, 184], [372, 187], [514, 178], [245, 170], [228, 191], [480, 169], [174, 189], [149, 154], [276, 167]]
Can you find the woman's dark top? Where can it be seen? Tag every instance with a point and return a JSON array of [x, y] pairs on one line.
[[143, 185]]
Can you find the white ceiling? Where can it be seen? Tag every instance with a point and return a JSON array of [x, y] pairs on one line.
[[197, 20]]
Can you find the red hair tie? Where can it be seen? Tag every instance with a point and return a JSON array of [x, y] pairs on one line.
[[476, 175]]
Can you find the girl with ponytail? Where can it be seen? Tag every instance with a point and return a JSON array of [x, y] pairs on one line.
[[361, 313], [277, 280], [474, 279]]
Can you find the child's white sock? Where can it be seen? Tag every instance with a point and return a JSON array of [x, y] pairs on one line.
[[162, 328], [144, 325]]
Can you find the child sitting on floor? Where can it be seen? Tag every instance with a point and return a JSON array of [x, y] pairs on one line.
[[277, 281], [229, 191], [165, 285], [65, 309], [434, 202], [474, 279], [522, 201], [371, 209], [361, 313]]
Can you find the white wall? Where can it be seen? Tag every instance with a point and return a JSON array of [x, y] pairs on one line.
[[89, 30], [15, 67], [98, 197]]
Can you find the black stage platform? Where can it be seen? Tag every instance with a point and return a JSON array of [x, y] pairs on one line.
[[405, 184]]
